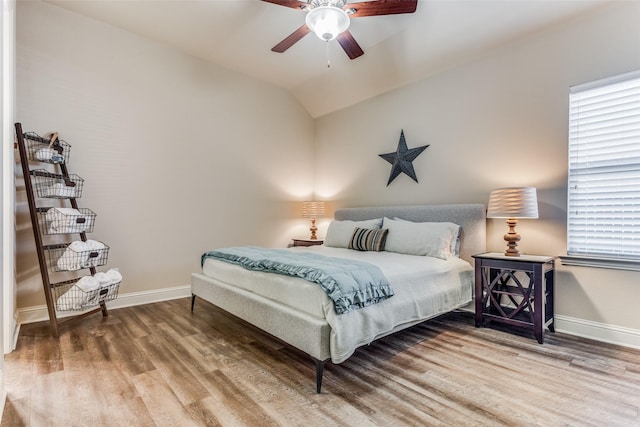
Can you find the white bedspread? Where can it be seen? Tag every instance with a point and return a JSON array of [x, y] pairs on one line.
[[425, 287]]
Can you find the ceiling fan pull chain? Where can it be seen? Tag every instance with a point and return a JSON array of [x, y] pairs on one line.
[[328, 60]]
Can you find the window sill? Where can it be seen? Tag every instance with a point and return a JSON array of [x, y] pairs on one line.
[[600, 262]]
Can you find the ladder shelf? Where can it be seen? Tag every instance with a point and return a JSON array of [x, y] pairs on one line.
[[50, 222]]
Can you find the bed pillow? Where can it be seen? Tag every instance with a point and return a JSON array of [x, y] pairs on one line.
[[455, 247], [434, 239], [368, 239], [339, 232]]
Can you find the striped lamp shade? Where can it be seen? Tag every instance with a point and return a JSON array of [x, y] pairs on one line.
[[312, 209], [513, 202]]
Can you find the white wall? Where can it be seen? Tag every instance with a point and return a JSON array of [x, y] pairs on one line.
[[178, 156], [499, 121], [7, 190]]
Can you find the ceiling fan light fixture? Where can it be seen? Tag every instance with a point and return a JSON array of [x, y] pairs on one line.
[[327, 21]]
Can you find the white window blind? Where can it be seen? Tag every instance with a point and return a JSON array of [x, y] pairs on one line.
[[604, 169]]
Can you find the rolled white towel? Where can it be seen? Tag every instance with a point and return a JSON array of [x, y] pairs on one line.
[[94, 244], [44, 154], [82, 294], [112, 289], [65, 220], [93, 247], [55, 214], [60, 190], [103, 278], [74, 257], [114, 275], [73, 227], [86, 291], [73, 299], [88, 283], [78, 245], [49, 155]]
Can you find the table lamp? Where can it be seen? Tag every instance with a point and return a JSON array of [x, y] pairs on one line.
[[313, 210], [513, 203]]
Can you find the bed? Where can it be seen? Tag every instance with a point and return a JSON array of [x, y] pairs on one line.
[[299, 312]]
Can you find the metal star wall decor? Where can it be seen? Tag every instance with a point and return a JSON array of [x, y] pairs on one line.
[[402, 158]]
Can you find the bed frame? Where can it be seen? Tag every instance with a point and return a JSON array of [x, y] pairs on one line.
[[308, 333]]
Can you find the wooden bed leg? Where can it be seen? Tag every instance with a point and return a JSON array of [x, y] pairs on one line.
[[193, 301], [319, 369]]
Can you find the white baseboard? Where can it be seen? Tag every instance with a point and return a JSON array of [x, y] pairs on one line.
[[40, 313], [3, 394], [598, 331], [16, 331]]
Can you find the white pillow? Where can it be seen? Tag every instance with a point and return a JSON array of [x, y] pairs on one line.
[[455, 244], [435, 239], [339, 232]]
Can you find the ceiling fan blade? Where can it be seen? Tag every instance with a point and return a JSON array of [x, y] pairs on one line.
[[350, 45], [381, 7], [291, 39], [294, 4]]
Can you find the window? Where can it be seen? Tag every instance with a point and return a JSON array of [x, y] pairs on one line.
[[603, 213]]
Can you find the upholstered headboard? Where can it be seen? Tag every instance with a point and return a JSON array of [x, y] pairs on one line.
[[470, 217]]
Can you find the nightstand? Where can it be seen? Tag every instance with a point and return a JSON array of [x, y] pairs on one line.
[[516, 291], [307, 242]]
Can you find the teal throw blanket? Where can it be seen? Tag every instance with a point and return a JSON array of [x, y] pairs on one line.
[[350, 284]]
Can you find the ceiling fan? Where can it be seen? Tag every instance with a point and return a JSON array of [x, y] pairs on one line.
[[329, 19]]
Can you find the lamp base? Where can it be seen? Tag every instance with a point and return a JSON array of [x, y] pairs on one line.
[[313, 229], [512, 238]]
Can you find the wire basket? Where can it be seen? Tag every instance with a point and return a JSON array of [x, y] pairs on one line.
[[41, 149], [65, 220], [63, 257], [53, 186], [71, 297]]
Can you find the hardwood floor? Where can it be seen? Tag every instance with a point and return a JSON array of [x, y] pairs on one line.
[[161, 365]]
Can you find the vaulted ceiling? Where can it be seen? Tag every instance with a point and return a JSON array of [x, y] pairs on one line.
[[399, 49]]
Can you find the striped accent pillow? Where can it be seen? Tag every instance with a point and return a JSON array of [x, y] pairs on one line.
[[367, 239]]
